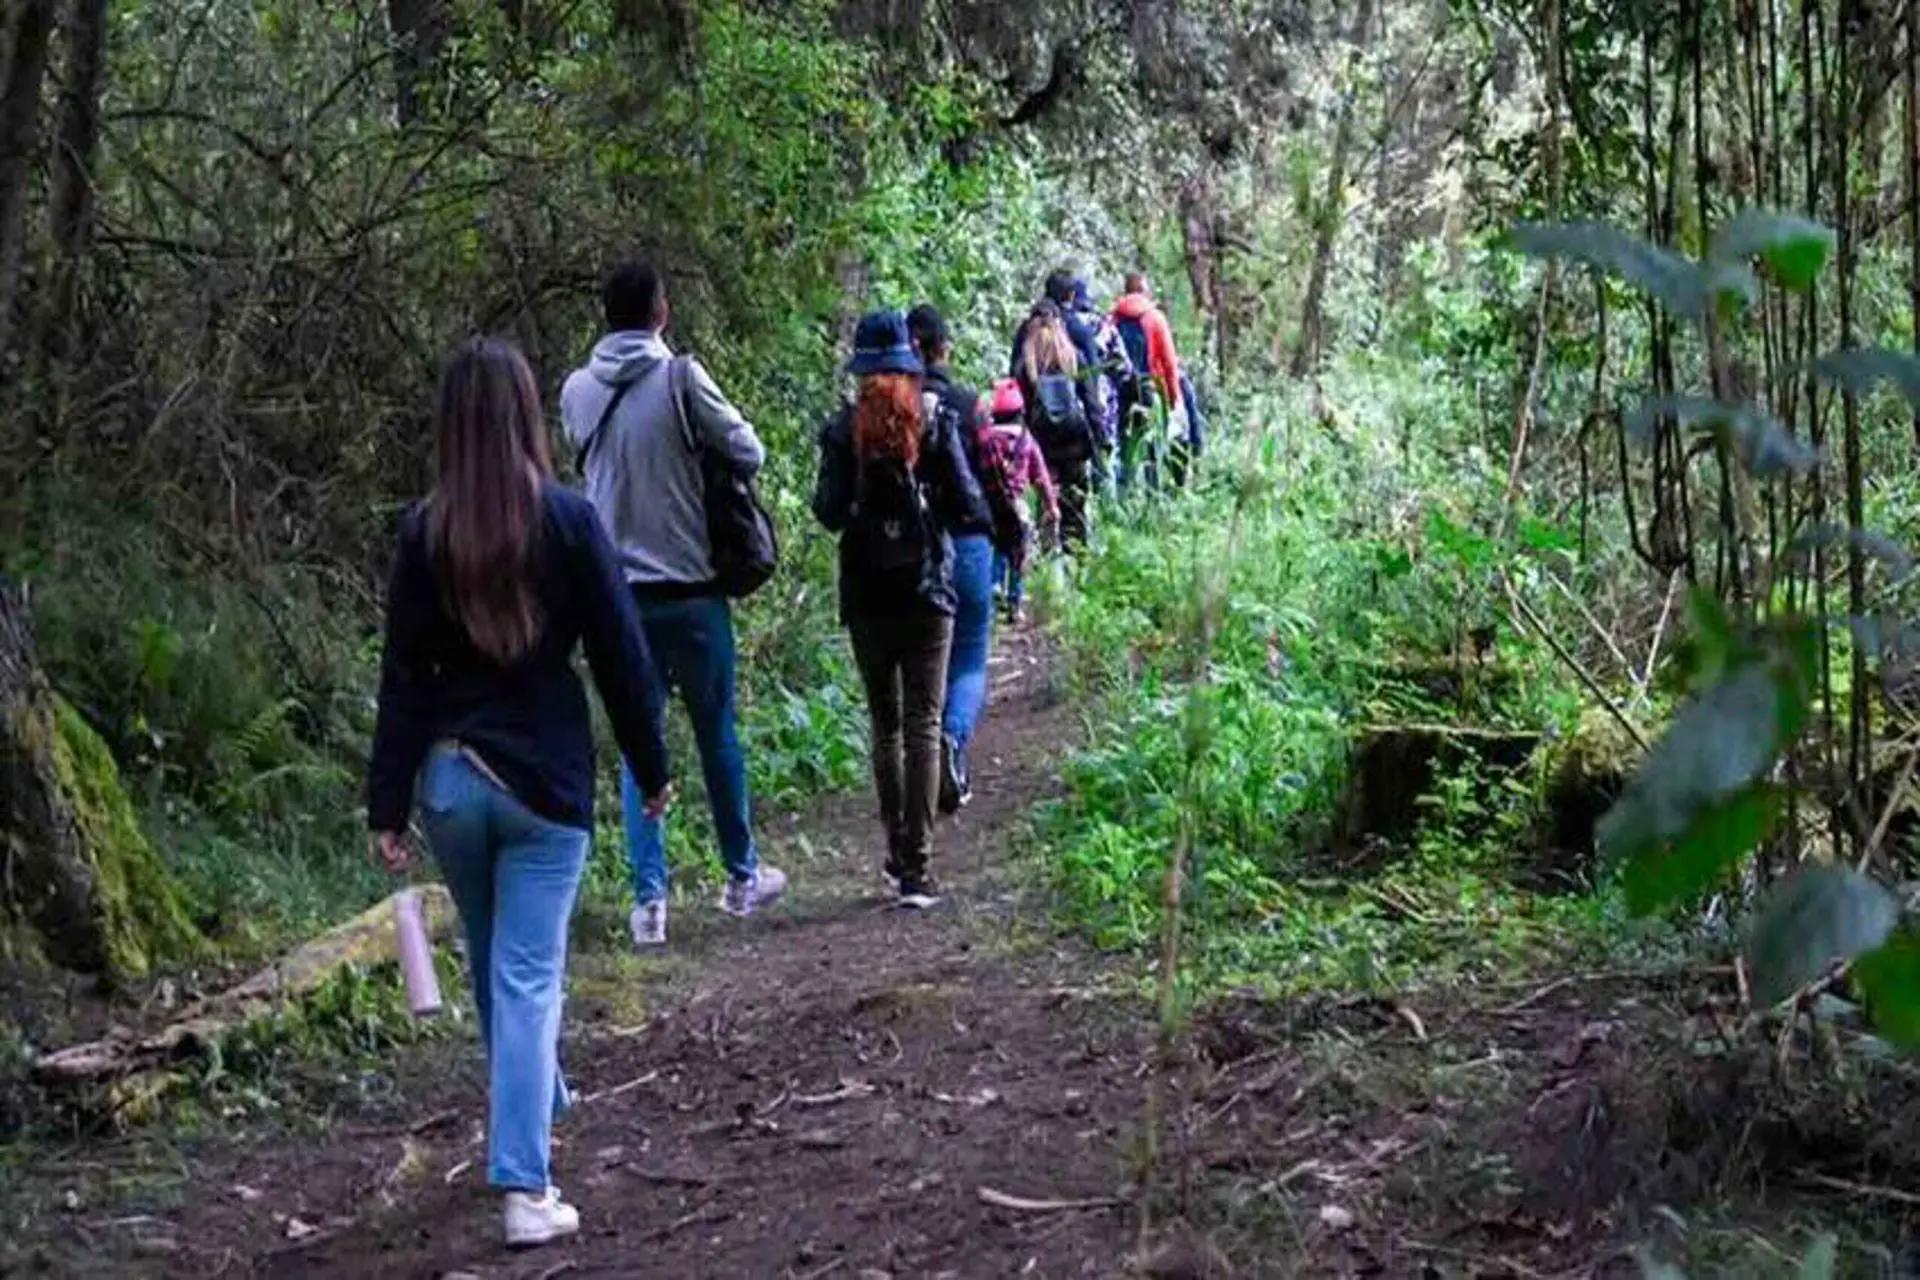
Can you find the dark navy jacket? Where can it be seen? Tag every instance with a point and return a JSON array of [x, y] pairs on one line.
[[529, 721]]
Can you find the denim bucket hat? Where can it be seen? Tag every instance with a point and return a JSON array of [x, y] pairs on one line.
[[881, 345]]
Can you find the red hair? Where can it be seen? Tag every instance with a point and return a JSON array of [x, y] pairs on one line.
[[886, 418]]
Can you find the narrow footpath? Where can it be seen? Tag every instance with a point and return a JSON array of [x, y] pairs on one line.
[[837, 1089]]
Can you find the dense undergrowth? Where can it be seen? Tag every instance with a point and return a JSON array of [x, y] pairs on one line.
[[1345, 596]]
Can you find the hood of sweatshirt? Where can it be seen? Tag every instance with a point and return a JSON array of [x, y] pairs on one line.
[[623, 357], [1133, 306]]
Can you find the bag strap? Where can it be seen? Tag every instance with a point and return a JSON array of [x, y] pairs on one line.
[[600, 427]]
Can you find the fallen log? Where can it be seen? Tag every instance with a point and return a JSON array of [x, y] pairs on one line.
[[366, 939]]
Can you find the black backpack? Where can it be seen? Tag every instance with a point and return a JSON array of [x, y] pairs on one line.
[[894, 524], [1058, 418], [1137, 383]]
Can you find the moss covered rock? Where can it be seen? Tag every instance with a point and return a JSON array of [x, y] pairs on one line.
[[135, 900]]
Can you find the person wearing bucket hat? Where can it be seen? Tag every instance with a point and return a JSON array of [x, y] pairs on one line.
[[972, 562], [881, 345], [892, 481]]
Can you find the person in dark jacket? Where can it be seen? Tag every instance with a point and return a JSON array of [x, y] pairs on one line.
[[501, 575], [891, 484], [957, 408]]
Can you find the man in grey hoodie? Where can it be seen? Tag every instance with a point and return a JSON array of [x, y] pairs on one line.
[[632, 414]]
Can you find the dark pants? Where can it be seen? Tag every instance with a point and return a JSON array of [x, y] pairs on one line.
[[903, 663], [1073, 478]]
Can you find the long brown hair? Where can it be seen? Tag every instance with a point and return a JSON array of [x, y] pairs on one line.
[[886, 418], [490, 457], [1048, 348]]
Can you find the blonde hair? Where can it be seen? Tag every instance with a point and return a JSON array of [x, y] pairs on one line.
[[1048, 349]]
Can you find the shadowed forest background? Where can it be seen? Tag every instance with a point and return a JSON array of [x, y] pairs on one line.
[[1559, 363]]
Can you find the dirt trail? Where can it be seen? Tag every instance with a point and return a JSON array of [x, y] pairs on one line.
[[824, 1091]]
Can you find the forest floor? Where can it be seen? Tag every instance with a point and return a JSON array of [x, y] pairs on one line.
[[844, 1089]]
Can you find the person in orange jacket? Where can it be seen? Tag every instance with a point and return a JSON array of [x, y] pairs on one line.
[[1148, 340]]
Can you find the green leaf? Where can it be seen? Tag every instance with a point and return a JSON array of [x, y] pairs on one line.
[[1859, 369], [1541, 535], [1889, 979], [1793, 249], [1718, 836], [1823, 1256], [1716, 748], [1680, 283], [1764, 446], [1816, 916], [1876, 546]]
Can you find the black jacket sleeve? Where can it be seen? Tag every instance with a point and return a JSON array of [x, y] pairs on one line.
[[617, 655], [404, 722], [833, 485]]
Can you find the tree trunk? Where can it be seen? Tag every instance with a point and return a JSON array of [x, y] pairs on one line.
[[1912, 69], [71, 216], [29, 26], [420, 29], [73, 864], [1332, 210]]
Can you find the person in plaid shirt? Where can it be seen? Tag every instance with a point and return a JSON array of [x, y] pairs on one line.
[[1010, 464]]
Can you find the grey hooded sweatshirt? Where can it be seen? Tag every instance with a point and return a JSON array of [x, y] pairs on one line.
[[641, 477]]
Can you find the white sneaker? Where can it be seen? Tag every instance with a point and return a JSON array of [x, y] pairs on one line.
[[762, 889], [648, 923], [532, 1219]]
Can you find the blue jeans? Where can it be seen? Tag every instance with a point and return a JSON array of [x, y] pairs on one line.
[[973, 558], [513, 875], [692, 646]]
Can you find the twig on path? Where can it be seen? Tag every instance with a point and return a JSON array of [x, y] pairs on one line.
[[848, 1091], [559, 1269], [827, 1270], [1412, 1020], [1872, 1190], [1539, 993], [453, 1174], [434, 1121], [697, 1218], [1020, 1204], [605, 1094], [667, 1178]]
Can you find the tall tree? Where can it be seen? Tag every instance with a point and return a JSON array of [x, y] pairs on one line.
[[1332, 208], [420, 29], [75, 147], [24, 38]]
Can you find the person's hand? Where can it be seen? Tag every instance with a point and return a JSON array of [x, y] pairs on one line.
[[657, 804], [392, 850]]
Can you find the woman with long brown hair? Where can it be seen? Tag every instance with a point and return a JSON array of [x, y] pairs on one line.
[[893, 481], [501, 575], [1061, 411]]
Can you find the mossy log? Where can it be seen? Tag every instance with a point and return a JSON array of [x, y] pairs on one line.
[[76, 868], [365, 940], [1392, 766]]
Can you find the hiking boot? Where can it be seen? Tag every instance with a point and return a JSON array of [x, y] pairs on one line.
[[917, 893], [963, 775], [538, 1219], [761, 889], [648, 924], [891, 873]]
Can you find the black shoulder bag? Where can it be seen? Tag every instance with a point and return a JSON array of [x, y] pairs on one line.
[[740, 533]]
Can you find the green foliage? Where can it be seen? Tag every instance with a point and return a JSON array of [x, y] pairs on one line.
[[1813, 918]]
